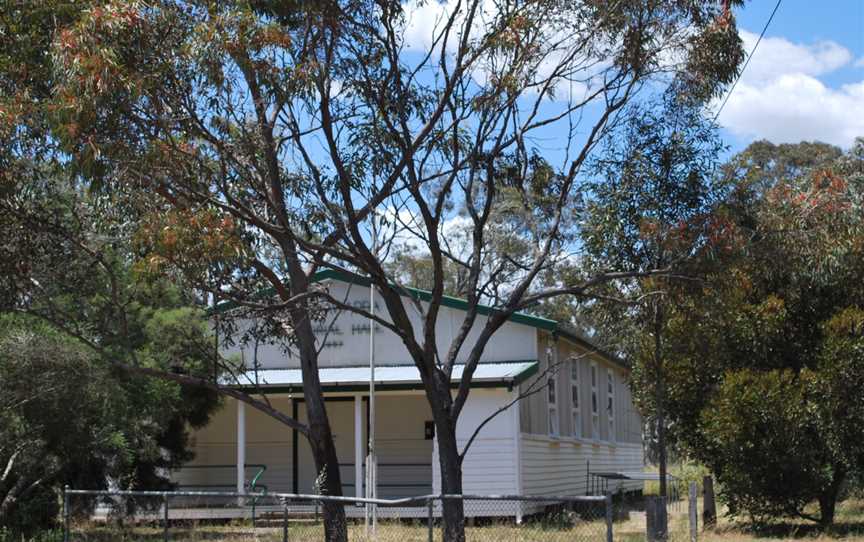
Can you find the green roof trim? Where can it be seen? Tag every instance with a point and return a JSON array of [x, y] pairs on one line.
[[446, 300], [416, 293]]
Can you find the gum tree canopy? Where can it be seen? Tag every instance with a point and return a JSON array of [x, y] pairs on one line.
[[260, 141], [765, 372]]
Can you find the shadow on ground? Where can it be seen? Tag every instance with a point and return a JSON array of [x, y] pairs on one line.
[[840, 530]]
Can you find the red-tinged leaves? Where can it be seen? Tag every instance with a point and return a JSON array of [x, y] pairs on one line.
[[189, 239]]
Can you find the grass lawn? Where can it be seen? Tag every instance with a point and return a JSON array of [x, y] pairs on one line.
[[386, 533], [849, 526]]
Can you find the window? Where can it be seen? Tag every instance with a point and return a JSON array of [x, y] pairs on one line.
[[575, 418], [610, 402], [595, 406], [552, 396], [553, 407]]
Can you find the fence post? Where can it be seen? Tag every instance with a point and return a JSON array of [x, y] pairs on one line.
[[285, 520], [608, 517], [656, 520], [692, 510], [430, 520], [165, 517], [66, 513], [709, 508]]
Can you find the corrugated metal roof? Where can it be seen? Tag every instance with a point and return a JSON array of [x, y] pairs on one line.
[[507, 373]]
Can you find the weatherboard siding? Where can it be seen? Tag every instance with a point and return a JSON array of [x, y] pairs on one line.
[[534, 409], [558, 465], [268, 442], [404, 453], [561, 467], [343, 338], [489, 466]]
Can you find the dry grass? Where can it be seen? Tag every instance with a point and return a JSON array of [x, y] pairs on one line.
[[849, 526], [389, 531]]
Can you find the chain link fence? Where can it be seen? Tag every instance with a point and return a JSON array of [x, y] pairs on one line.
[[638, 516], [207, 515]]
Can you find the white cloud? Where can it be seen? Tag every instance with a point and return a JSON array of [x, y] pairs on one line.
[[780, 97], [404, 232], [779, 56], [426, 19]]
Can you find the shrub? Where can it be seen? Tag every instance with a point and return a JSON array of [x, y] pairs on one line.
[[765, 446]]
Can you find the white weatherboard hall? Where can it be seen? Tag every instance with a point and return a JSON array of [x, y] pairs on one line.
[[582, 422]]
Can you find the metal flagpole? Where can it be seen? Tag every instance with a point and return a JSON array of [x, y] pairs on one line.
[[371, 462]]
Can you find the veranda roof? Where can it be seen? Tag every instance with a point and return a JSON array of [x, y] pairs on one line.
[[399, 377]]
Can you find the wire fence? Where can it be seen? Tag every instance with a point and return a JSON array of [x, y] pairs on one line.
[[677, 518], [208, 515]]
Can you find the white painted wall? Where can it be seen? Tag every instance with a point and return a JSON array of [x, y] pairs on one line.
[[404, 453], [490, 466], [268, 442], [560, 467], [347, 343], [534, 411]]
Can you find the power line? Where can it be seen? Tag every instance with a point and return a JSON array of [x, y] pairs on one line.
[[747, 62]]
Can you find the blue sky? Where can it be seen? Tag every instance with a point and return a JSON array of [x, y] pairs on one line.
[[806, 79], [804, 82]]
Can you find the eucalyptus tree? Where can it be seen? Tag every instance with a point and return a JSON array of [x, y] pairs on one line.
[[651, 206], [261, 141], [446, 142], [764, 364]]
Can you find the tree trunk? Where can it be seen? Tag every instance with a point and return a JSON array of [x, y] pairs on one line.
[[660, 415], [828, 501], [10, 498], [320, 435], [659, 398], [661, 445], [827, 506], [709, 514], [6, 503], [324, 453], [327, 469], [453, 510]]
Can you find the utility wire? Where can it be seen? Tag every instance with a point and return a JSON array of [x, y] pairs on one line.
[[747, 62]]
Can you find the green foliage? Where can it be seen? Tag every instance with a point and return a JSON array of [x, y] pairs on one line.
[[68, 417], [655, 186], [764, 436], [651, 208], [7, 535], [73, 415], [684, 473], [764, 372]]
